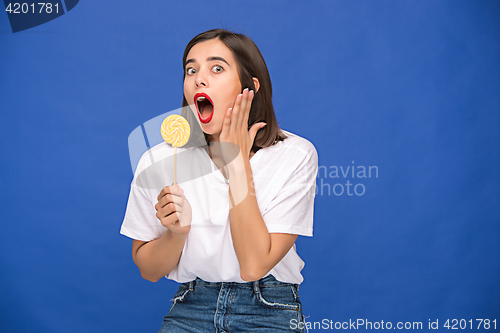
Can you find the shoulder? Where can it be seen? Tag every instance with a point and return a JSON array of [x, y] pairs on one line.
[[153, 154], [156, 156], [300, 142], [287, 157], [294, 146]]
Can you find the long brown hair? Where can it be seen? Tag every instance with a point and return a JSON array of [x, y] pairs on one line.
[[250, 64]]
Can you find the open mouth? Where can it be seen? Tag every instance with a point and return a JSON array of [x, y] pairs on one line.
[[205, 107]]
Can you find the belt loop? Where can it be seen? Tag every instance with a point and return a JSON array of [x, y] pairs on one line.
[[256, 288], [191, 285]]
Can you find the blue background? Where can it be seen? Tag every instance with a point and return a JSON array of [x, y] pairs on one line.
[[411, 87]]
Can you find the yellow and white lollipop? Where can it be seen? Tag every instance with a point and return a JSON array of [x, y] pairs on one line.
[[175, 130]]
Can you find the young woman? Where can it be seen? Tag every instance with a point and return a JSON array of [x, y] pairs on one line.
[[246, 189]]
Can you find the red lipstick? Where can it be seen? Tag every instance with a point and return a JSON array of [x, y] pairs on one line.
[[205, 101]]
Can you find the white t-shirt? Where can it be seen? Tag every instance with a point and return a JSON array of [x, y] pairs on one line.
[[284, 176]]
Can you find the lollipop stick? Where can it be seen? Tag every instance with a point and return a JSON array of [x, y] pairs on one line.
[[175, 131], [175, 165]]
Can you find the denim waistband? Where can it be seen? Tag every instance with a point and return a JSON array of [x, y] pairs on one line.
[[268, 280]]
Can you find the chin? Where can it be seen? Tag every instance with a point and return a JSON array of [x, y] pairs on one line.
[[210, 129]]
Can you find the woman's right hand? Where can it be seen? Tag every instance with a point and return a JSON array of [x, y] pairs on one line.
[[173, 210]]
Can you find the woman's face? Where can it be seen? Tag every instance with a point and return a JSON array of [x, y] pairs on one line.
[[211, 83]]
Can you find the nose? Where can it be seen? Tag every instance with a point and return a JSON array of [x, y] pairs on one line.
[[200, 81]]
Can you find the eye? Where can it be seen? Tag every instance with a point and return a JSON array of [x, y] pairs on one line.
[[190, 71], [217, 69]]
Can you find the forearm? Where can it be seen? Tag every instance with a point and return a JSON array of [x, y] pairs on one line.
[[251, 239], [159, 257]]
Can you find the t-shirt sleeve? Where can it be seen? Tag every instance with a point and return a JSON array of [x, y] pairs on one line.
[[291, 210], [150, 177], [140, 220]]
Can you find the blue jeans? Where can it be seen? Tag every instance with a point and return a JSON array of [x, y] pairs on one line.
[[266, 305]]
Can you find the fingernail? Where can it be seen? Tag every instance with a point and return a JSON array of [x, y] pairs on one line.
[[251, 92], [246, 89], [263, 125]]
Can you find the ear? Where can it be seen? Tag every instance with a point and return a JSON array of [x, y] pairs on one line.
[[256, 84]]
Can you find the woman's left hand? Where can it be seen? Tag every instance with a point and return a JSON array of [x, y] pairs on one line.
[[235, 136]]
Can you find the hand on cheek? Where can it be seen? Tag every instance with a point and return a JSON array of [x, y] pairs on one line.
[[235, 126]]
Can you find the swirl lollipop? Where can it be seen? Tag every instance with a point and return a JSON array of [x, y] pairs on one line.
[[175, 130]]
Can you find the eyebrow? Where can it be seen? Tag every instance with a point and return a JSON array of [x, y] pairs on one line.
[[208, 59]]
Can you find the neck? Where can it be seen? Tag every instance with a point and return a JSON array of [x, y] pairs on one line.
[[213, 137], [214, 149]]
